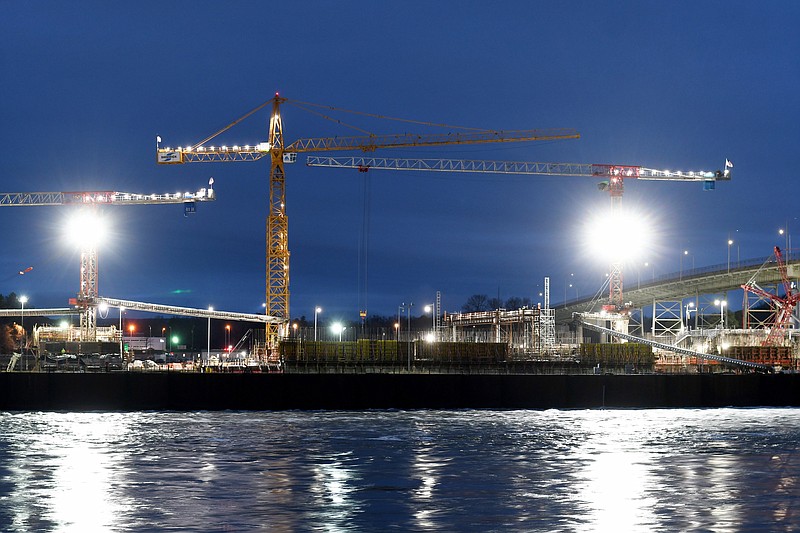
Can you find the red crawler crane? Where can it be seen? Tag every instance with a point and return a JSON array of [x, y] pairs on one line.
[[784, 306]]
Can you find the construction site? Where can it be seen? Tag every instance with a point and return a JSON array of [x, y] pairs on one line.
[[676, 323]]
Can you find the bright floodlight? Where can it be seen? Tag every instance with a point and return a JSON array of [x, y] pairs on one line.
[[621, 236], [86, 228], [337, 328], [23, 299]]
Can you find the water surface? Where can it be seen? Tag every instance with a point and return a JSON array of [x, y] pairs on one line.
[[582, 470]]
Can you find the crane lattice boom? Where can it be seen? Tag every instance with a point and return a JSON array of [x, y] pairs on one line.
[[102, 198], [366, 143], [592, 170]]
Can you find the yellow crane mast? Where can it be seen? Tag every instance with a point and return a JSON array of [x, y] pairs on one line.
[[277, 290]]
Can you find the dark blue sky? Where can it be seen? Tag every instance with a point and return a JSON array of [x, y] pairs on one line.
[[87, 86]]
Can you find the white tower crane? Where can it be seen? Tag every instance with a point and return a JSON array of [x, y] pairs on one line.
[[87, 295]]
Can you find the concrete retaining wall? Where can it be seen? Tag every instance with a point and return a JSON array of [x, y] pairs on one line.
[[187, 391]]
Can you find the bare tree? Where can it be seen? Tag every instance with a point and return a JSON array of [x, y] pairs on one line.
[[475, 303]]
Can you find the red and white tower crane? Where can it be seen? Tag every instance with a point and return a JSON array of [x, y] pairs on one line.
[[87, 295], [613, 177]]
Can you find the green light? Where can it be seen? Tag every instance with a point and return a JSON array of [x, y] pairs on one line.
[[175, 339]]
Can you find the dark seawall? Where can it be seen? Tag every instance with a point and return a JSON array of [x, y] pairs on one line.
[[126, 391]]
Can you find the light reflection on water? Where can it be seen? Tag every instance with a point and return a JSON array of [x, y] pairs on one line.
[[593, 470]]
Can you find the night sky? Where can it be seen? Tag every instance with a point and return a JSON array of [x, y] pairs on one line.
[[87, 86]]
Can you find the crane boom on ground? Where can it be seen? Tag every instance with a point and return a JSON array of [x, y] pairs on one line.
[[614, 176], [87, 297], [277, 286]]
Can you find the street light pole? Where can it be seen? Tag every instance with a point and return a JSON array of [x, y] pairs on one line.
[[680, 275], [721, 304], [689, 309], [23, 300], [729, 254], [121, 331], [208, 345], [317, 310], [431, 308], [400, 310], [408, 315]]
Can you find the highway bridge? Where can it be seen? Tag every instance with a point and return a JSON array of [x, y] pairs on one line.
[[689, 283]]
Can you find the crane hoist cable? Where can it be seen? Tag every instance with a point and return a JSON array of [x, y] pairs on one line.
[[297, 103]]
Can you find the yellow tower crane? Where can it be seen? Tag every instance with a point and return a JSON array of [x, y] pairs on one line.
[[277, 291]]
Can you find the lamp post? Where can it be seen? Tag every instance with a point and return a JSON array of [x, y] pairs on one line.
[[788, 241], [721, 304], [689, 309], [571, 275], [317, 310], [121, 331], [397, 331], [400, 310], [337, 329], [208, 343], [131, 329], [431, 308], [680, 274], [729, 254], [408, 318], [23, 300]]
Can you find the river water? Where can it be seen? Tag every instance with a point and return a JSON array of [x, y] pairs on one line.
[[475, 470]]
